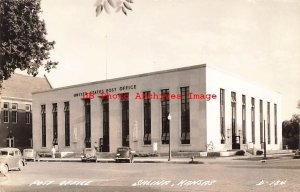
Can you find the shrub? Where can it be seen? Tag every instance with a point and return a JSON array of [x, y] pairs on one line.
[[240, 152], [213, 154], [153, 155], [145, 155], [259, 152]]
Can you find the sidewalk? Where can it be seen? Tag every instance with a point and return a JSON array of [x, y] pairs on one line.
[[183, 160], [136, 160]]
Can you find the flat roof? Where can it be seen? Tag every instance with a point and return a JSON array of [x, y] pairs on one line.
[[126, 77]]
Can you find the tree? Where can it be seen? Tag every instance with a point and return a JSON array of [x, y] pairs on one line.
[[118, 5], [23, 43], [290, 132]]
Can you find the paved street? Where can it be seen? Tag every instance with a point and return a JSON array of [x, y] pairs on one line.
[[234, 175]]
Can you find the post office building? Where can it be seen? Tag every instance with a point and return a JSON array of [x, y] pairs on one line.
[[196, 108]]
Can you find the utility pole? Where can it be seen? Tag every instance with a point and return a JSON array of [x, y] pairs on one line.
[[298, 106], [106, 57], [265, 146]]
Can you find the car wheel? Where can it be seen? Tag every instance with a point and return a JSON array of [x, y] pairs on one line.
[[4, 169], [20, 165]]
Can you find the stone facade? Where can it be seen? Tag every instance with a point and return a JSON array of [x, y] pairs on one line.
[[86, 124]]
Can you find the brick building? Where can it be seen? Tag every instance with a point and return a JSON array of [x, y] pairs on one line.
[[15, 110]]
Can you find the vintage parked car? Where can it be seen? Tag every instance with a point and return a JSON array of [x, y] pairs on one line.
[[297, 154], [29, 154], [44, 153], [10, 158], [89, 154], [124, 154]]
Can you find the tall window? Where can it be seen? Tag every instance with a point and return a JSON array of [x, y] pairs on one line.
[[261, 120], [253, 119], [147, 118], [233, 117], [14, 113], [244, 118], [28, 113], [54, 115], [10, 141], [67, 123], [6, 112], [275, 122], [105, 103], [185, 115], [222, 115], [165, 138], [125, 119], [268, 123], [87, 106], [43, 113]]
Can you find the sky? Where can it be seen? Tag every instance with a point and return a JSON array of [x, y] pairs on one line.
[[257, 40]]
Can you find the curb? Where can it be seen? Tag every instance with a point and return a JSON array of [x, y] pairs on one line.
[[113, 161], [72, 160], [165, 160]]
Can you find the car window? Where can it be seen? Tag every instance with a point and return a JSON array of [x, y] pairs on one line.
[[3, 152], [122, 149], [11, 153]]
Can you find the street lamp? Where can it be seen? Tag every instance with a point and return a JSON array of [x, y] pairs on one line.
[[169, 118], [265, 146], [298, 106]]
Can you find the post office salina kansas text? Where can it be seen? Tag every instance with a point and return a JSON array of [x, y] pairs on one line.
[[196, 108]]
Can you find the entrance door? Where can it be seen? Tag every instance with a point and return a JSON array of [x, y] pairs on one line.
[[10, 142], [236, 142]]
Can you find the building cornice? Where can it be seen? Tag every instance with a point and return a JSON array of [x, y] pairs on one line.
[[126, 77], [15, 98]]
